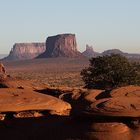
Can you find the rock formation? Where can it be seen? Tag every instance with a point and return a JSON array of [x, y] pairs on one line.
[[106, 114], [19, 98], [113, 51], [22, 51], [117, 51], [2, 69], [68, 113], [89, 52], [62, 45], [29, 100]]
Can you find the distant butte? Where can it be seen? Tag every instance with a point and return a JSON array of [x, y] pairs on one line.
[[23, 51], [62, 45], [89, 52]]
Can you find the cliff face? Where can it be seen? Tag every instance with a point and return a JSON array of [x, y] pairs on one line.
[[23, 51], [89, 52], [63, 45]]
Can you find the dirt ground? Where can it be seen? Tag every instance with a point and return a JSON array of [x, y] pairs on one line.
[[51, 71]]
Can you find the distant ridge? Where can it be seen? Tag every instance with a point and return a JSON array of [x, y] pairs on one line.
[[89, 52], [61, 45], [117, 51]]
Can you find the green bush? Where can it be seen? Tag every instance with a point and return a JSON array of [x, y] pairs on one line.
[[112, 71]]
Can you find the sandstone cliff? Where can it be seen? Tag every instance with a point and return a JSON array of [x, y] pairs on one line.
[[62, 45], [22, 51]]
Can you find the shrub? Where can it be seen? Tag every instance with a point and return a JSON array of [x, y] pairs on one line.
[[112, 71]]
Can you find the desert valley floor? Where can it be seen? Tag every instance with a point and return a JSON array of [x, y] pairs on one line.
[[51, 71]]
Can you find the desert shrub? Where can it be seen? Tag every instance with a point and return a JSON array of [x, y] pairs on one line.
[[107, 72]]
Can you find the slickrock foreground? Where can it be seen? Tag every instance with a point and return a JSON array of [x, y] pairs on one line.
[[36, 111], [106, 114], [128, 91], [18, 96], [123, 102], [15, 100], [119, 106]]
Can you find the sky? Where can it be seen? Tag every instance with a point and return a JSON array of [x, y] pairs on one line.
[[104, 24]]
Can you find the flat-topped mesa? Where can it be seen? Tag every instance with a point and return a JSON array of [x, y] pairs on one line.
[[23, 51], [62, 45]]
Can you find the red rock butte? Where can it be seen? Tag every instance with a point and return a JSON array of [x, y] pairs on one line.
[[62, 45], [23, 51]]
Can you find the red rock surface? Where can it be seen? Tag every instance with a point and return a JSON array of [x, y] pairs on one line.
[[119, 106], [15, 100], [128, 91]]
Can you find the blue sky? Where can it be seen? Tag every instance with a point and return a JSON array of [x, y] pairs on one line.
[[105, 24]]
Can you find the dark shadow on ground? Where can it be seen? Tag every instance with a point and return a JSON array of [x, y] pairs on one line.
[[45, 128], [53, 127]]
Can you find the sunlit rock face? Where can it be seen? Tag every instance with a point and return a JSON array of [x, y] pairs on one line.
[[62, 45], [23, 51]]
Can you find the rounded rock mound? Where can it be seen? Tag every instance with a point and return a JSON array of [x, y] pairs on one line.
[[18, 100], [107, 131], [80, 99], [129, 91], [119, 106]]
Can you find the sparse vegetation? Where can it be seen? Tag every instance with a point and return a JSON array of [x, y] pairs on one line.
[[112, 71], [53, 72]]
